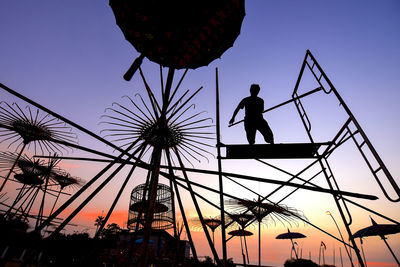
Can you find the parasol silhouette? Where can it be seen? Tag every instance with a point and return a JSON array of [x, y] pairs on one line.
[[242, 233], [242, 219], [267, 212], [179, 34], [291, 236], [379, 230]]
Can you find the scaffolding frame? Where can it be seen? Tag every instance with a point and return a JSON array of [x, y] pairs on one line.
[[350, 131]]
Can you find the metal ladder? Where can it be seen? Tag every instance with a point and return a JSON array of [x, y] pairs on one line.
[[365, 147]]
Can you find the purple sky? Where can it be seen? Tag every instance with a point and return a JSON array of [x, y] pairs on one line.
[[70, 57]]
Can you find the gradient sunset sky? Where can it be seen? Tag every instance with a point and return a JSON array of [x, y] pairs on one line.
[[70, 57]]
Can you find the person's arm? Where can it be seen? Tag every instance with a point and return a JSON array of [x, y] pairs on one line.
[[240, 106]]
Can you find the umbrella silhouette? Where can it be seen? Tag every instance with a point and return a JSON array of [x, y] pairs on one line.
[[380, 230], [242, 233], [241, 219], [213, 223], [291, 236], [262, 210]]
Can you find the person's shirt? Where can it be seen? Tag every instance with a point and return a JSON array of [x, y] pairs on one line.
[[253, 106]]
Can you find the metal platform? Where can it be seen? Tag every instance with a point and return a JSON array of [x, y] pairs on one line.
[[273, 151]]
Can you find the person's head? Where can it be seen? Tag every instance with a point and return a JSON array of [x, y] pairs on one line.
[[254, 89]]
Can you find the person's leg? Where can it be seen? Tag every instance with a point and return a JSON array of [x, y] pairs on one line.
[[265, 130], [250, 132]]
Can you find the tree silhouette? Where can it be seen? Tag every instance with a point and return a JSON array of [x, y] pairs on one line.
[[98, 221]]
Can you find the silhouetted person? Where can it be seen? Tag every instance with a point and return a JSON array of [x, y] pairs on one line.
[[253, 119]]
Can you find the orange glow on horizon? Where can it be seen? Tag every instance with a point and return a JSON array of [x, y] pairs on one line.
[[118, 216], [373, 263]]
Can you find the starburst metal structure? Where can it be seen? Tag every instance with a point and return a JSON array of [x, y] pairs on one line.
[[270, 211], [30, 127], [65, 181], [27, 171], [150, 132], [35, 175], [264, 212], [139, 124], [167, 131], [212, 222], [161, 135]]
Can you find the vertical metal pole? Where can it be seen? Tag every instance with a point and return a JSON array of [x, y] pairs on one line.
[[156, 159], [167, 92], [334, 256], [197, 207], [173, 208], [294, 249], [341, 258], [319, 257], [55, 202], [221, 188], [244, 256], [28, 199], [40, 213], [259, 242], [341, 236], [245, 245], [189, 235], [29, 206], [22, 192]]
